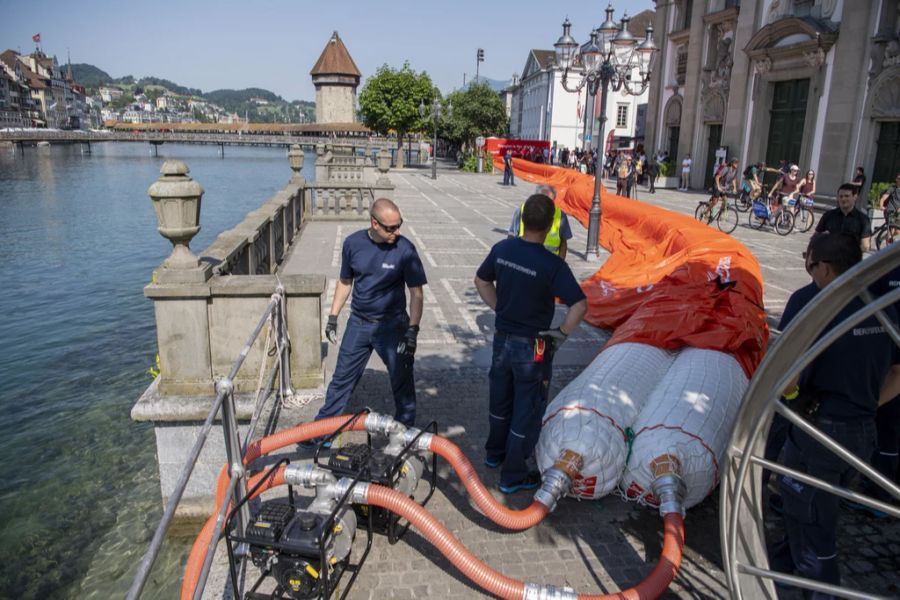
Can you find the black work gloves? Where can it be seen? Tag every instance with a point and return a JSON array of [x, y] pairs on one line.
[[407, 345], [331, 329]]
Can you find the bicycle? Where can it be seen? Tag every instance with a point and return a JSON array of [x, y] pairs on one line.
[[888, 232], [723, 214], [804, 217], [762, 214]]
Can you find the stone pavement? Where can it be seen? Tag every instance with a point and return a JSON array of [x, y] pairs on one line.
[[597, 546]]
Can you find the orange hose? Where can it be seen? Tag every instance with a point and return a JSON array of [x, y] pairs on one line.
[[490, 506], [198, 550], [498, 584]]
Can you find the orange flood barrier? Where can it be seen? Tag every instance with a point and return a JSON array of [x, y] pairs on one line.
[[670, 281]]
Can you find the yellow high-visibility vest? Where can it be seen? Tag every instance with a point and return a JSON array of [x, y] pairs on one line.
[[553, 239]]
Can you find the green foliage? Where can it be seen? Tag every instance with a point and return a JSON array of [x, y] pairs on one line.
[[468, 162], [390, 100], [89, 75], [666, 169], [477, 110], [876, 190]]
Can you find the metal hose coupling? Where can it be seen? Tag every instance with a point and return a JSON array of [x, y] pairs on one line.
[[401, 439], [359, 494], [384, 424], [670, 490], [307, 475], [557, 480], [536, 591]]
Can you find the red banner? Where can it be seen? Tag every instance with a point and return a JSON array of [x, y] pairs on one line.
[[520, 148]]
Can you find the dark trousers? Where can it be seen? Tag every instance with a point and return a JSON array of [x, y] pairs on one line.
[[518, 397], [508, 178], [623, 187], [810, 514], [887, 451], [360, 338]]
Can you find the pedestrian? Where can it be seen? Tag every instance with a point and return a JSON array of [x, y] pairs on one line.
[[724, 182], [808, 184], [376, 265], [520, 281], [889, 201], [847, 219], [624, 175], [859, 180], [788, 186], [652, 173], [557, 240], [553, 154], [564, 157], [508, 176], [839, 393], [686, 173]]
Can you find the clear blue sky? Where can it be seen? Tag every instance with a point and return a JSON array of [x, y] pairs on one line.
[[273, 44]]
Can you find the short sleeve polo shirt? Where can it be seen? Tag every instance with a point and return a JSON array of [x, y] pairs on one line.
[[529, 278], [380, 273], [855, 223]]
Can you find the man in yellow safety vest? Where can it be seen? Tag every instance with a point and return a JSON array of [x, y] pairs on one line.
[[560, 231]]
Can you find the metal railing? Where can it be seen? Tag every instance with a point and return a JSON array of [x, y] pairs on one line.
[[274, 314], [743, 543]]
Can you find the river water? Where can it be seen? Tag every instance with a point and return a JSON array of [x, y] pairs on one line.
[[79, 489]]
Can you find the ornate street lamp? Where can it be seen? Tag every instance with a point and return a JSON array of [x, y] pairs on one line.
[[435, 117], [611, 58]]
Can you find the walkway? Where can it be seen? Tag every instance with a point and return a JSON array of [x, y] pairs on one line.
[[597, 546]]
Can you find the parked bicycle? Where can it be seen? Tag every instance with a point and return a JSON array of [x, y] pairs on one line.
[[762, 213], [888, 232], [719, 210]]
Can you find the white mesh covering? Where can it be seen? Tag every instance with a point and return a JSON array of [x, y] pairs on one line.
[[689, 416], [590, 415]]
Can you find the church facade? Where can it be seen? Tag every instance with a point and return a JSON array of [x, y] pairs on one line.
[[812, 82]]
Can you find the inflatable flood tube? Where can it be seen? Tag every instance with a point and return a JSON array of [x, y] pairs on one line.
[[688, 420], [591, 414]]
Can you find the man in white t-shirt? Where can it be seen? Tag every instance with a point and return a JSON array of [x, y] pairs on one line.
[[685, 172]]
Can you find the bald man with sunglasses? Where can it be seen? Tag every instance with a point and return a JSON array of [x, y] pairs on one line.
[[377, 265]]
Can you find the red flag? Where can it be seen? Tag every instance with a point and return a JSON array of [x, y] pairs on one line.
[[36, 38]]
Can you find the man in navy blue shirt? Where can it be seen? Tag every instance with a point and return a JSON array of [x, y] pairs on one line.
[[520, 280], [845, 381], [377, 264]]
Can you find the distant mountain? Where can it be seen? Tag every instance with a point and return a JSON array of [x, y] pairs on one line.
[[172, 87], [226, 98], [89, 75]]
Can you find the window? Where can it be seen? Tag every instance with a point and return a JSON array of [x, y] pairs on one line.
[[622, 116]]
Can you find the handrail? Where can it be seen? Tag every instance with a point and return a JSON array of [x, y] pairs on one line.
[[224, 392]]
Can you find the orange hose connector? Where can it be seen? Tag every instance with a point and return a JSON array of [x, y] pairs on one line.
[[490, 506]]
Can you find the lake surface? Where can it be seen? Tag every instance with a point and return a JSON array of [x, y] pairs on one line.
[[79, 489]]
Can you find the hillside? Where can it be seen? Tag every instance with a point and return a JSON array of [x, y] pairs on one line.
[[89, 75]]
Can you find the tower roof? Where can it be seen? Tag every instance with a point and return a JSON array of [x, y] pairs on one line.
[[335, 59]]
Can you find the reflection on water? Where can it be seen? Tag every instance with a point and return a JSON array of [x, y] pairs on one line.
[[79, 490]]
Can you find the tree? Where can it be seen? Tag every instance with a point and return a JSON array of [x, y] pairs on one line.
[[389, 101], [477, 110]]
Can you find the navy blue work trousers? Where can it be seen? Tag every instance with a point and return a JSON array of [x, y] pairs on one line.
[[811, 514], [508, 177], [360, 339], [518, 397]]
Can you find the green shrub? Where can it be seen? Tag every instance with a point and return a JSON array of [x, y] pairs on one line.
[[666, 169], [469, 162], [876, 191]]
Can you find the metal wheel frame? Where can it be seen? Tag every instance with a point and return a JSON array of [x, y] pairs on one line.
[[882, 233], [743, 203], [811, 219], [703, 210], [741, 516], [782, 214]]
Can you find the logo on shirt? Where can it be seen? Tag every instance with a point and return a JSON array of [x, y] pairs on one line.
[[517, 267], [387, 266], [868, 330]]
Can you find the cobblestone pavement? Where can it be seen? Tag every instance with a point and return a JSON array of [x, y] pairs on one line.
[[597, 546]]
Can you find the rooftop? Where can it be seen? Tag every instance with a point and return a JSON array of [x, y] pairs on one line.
[[335, 59]]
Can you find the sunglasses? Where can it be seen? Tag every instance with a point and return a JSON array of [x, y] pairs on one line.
[[389, 228]]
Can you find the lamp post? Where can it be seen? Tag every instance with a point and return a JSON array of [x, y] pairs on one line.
[[611, 58], [436, 110]]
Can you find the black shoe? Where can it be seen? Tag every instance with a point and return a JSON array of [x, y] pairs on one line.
[[492, 463], [531, 482], [853, 505], [313, 443], [775, 504]]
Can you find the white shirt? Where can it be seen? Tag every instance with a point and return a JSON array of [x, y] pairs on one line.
[[686, 165]]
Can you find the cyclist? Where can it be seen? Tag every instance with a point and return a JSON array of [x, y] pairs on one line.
[[752, 185], [890, 201], [808, 184], [725, 180], [788, 186]]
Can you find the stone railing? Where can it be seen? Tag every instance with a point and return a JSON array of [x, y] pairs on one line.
[[206, 307]]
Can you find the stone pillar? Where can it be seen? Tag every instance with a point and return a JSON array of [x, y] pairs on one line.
[[655, 122], [691, 120], [295, 156], [739, 96], [179, 289], [383, 187]]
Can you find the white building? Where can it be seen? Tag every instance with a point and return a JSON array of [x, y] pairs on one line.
[[542, 109], [108, 94]]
